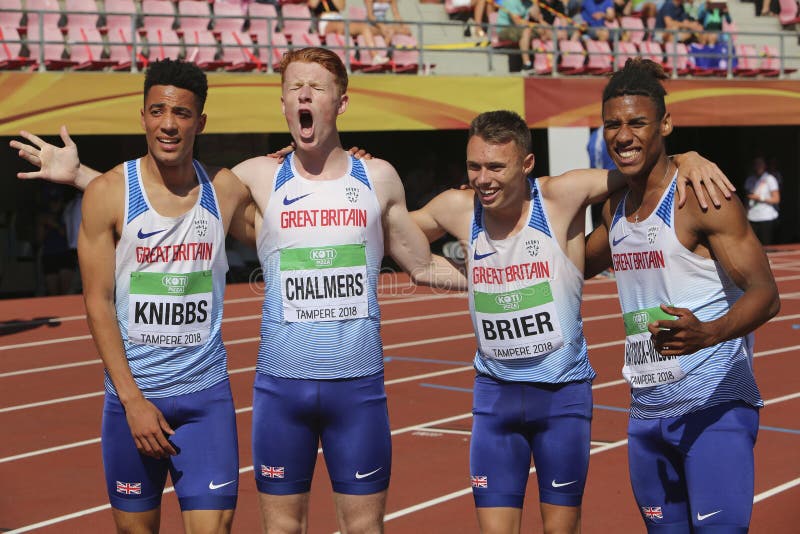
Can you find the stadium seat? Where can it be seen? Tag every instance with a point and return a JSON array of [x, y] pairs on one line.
[[788, 14], [405, 57], [304, 39], [82, 13], [261, 15], [158, 15], [676, 54], [365, 53], [11, 16], [296, 18], [747, 61], [344, 49], [542, 56], [119, 13], [228, 16], [49, 19], [86, 49], [202, 49], [237, 52], [120, 47], [651, 50], [164, 43], [625, 51], [573, 57], [271, 55], [48, 49], [600, 59], [635, 28], [771, 63], [193, 15], [10, 58]]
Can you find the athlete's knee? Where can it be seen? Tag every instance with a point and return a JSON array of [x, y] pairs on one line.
[[147, 522], [208, 521], [561, 519]]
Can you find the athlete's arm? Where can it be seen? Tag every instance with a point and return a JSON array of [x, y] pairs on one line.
[[96, 253], [594, 185], [735, 246], [449, 212], [56, 164], [404, 241], [598, 251], [256, 175]]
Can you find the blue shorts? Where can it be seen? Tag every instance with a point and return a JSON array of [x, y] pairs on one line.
[[511, 421], [695, 472], [205, 472], [349, 417]]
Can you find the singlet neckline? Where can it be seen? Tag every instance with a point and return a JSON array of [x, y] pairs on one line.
[[176, 218], [347, 173]]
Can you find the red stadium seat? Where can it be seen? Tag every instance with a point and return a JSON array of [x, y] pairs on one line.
[[228, 16], [81, 13], [788, 14], [625, 51], [573, 57], [380, 43], [158, 14], [194, 15], [405, 58], [747, 61], [11, 16], [261, 16], [164, 43], [119, 13], [651, 50], [635, 28], [48, 49], [86, 46], [10, 47], [771, 63], [120, 46], [202, 48], [676, 54], [296, 18], [542, 56], [237, 52], [600, 59]]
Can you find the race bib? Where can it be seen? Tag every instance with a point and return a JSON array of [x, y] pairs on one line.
[[324, 283], [517, 324], [170, 309], [644, 365]]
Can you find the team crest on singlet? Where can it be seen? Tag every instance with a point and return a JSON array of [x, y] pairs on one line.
[[201, 227], [532, 246], [351, 193], [652, 233]]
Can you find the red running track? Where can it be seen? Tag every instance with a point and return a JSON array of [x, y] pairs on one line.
[[51, 476]]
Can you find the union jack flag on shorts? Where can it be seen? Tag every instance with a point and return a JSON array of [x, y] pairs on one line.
[[272, 472], [652, 512], [480, 481], [129, 488]]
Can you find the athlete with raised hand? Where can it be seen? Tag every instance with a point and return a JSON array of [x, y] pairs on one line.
[[152, 257], [532, 393], [693, 285]]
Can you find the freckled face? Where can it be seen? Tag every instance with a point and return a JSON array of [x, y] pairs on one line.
[[311, 102], [171, 120]]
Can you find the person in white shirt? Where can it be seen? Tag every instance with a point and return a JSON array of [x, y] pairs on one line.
[[764, 196]]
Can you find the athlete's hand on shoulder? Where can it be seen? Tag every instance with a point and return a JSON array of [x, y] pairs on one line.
[[705, 178], [56, 164], [684, 335], [359, 153], [149, 429], [281, 154]]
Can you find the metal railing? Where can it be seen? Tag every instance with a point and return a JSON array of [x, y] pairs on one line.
[[139, 44]]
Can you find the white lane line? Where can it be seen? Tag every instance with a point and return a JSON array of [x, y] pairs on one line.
[[51, 449], [776, 490], [51, 401], [785, 398], [467, 491]]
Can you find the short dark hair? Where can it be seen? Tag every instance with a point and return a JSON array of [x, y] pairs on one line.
[[179, 74], [500, 127], [640, 77]]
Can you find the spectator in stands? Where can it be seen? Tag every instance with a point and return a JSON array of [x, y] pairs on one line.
[[549, 13], [623, 8], [769, 8], [673, 16], [378, 15], [513, 20], [710, 52], [595, 14], [764, 196], [72, 224], [330, 17]]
